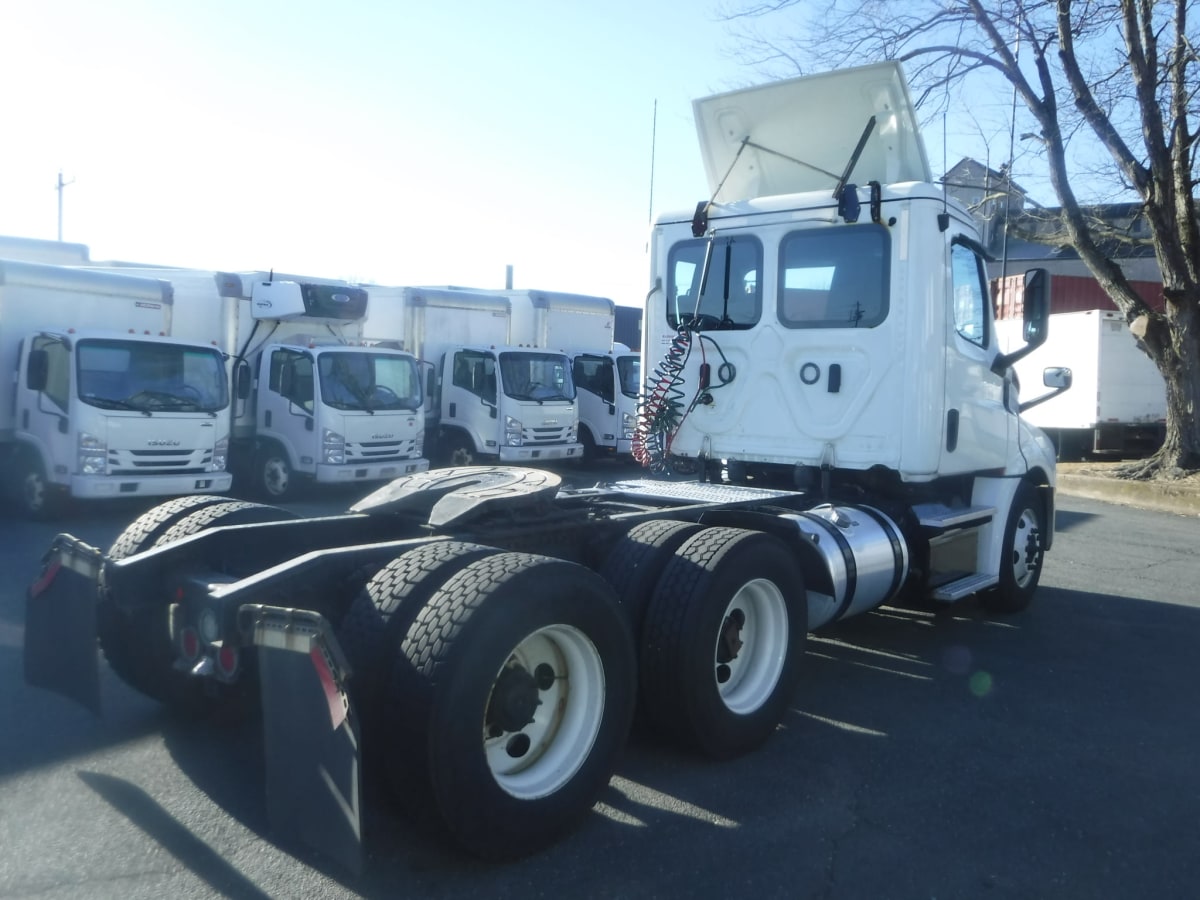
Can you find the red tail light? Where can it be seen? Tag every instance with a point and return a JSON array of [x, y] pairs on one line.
[[189, 644], [227, 661]]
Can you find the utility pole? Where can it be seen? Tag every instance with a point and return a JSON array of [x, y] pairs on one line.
[[59, 187]]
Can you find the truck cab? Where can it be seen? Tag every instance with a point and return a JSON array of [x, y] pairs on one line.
[[322, 408], [608, 384]]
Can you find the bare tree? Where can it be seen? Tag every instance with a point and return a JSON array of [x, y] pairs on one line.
[[1115, 76]]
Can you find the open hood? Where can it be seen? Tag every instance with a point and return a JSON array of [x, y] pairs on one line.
[[801, 134]]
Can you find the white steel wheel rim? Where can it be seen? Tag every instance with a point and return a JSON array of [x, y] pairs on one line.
[[566, 721], [276, 475], [747, 681], [1025, 547]]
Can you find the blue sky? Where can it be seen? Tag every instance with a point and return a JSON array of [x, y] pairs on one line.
[[391, 142]]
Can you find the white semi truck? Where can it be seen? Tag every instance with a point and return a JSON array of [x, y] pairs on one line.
[[607, 375], [488, 399], [489, 632], [311, 403], [1117, 404], [103, 401]]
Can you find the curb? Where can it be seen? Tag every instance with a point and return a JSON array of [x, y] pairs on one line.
[[1180, 499]]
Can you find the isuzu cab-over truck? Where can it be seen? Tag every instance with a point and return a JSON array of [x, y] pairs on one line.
[[485, 634], [102, 402], [607, 375], [489, 400]]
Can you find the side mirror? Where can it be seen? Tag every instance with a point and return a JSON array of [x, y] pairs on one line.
[[1036, 319], [37, 370], [241, 379], [1056, 377]]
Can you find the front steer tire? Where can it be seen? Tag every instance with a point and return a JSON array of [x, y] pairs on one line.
[[512, 696]]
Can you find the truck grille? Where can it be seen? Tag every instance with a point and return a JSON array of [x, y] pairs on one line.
[[175, 461], [379, 451], [551, 434]]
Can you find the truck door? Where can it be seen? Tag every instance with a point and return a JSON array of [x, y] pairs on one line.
[[43, 407], [286, 404], [977, 426]]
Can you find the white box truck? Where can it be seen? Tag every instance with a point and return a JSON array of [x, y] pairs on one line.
[[488, 399], [1117, 403], [104, 401], [511, 626], [607, 375]]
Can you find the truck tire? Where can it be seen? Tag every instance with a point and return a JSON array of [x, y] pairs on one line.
[[143, 531], [458, 451], [380, 615], [1021, 556], [722, 642], [635, 564], [512, 698], [35, 496], [274, 479], [137, 643], [589, 444]]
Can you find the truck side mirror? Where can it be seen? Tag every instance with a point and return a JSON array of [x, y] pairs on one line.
[[241, 379], [1036, 320], [1056, 377], [1036, 307], [37, 370]]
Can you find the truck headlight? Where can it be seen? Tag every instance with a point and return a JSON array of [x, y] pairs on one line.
[[220, 455], [628, 425], [93, 455], [333, 447], [512, 432], [572, 432], [419, 443]]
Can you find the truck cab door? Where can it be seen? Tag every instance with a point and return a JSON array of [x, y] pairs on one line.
[[286, 402], [43, 400], [978, 425]]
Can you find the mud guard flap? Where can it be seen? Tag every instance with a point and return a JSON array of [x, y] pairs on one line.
[[60, 623], [310, 732]]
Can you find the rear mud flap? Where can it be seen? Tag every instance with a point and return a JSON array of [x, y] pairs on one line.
[[60, 623], [310, 732]]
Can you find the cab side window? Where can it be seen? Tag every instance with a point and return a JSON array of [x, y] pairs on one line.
[[58, 369], [969, 295], [475, 372]]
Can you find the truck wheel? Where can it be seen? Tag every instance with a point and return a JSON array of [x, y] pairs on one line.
[[36, 497], [722, 641], [513, 695], [381, 613], [137, 643], [589, 444], [148, 527], [1022, 554], [460, 452], [274, 479], [634, 565]]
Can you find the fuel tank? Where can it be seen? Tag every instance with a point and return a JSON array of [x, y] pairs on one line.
[[856, 560]]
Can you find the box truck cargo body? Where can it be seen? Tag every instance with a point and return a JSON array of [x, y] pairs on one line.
[[1117, 403]]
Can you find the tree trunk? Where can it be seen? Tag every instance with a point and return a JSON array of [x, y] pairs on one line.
[[1174, 344]]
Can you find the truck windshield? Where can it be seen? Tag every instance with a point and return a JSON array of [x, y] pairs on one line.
[[537, 376], [728, 296], [357, 379], [629, 369], [150, 376]]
